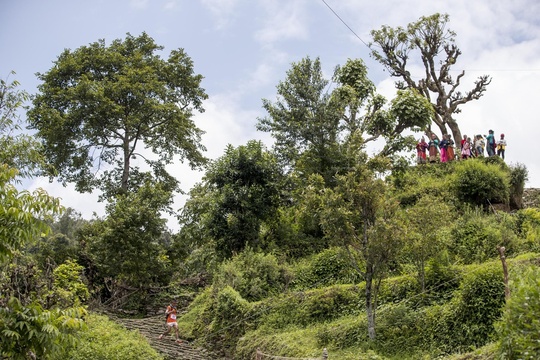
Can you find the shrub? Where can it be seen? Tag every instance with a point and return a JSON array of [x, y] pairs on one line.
[[254, 275], [310, 307], [518, 176], [424, 181], [528, 224], [68, 288], [331, 266], [104, 340], [519, 328], [478, 183], [480, 300], [476, 237], [231, 314]]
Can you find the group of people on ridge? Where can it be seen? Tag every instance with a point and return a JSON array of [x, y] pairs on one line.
[[443, 150]]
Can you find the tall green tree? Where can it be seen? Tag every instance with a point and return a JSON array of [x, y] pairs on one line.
[[431, 42], [126, 247], [240, 191], [99, 105], [358, 215], [313, 124], [423, 242]]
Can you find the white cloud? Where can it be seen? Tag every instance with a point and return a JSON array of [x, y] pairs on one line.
[[85, 203], [284, 21], [224, 11]]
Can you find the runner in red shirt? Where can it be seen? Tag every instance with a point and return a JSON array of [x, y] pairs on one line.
[[171, 321]]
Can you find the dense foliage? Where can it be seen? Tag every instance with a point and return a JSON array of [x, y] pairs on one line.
[[314, 244], [103, 104], [104, 340]]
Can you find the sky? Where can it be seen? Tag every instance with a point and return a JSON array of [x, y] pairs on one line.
[[243, 48]]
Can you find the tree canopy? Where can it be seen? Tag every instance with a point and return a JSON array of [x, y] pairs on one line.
[[17, 149], [313, 125], [99, 105], [239, 192], [433, 43]]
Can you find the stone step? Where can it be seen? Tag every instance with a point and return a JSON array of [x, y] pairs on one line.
[[152, 327]]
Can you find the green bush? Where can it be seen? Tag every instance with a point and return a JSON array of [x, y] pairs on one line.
[[528, 224], [331, 266], [106, 340], [398, 288], [295, 342], [424, 182], [519, 328], [480, 302], [476, 236], [478, 183], [518, 176], [68, 287], [254, 275], [309, 307], [463, 322], [231, 318]]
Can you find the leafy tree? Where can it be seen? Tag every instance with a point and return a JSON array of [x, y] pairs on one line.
[[303, 120], [357, 214], [21, 213], [126, 246], [30, 330], [17, 150], [99, 105], [423, 241], [27, 328], [241, 191], [68, 287], [518, 177], [430, 40], [312, 125], [61, 243]]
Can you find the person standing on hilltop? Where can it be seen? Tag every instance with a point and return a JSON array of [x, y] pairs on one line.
[[170, 314], [421, 147], [463, 141], [443, 146], [490, 143], [433, 146], [479, 146], [450, 153], [501, 146], [466, 149]]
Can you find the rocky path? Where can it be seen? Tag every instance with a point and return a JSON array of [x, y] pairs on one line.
[[151, 328]]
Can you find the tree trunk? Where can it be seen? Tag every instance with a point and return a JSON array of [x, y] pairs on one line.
[[369, 303], [454, 127], [125, 171]]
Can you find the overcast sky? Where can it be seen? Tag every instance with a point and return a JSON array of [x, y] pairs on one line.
[[243, 48]]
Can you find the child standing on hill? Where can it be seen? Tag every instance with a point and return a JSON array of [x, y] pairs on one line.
[[479, 146], [466, 149]]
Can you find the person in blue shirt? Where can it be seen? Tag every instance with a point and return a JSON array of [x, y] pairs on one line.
[[490, 143]]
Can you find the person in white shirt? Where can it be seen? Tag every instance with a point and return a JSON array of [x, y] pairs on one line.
[[501, 146]]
